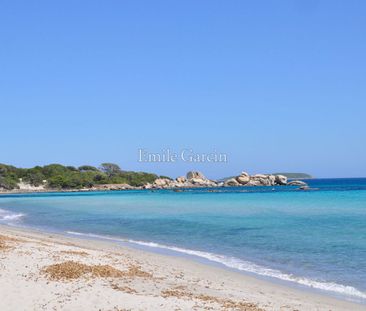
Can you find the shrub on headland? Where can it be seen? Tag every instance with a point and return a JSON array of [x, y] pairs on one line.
[[8, 177], [8, 183]]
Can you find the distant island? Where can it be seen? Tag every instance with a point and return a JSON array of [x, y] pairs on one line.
[[109, 176], [295, 175]]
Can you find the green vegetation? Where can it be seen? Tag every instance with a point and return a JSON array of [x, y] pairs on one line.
[[295, 175], [8, 177], [57, 176], [85, 168]]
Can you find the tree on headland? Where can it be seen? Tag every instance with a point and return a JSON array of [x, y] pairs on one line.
[[9, 177], [72, 168], [8, 183], [87, 168], [110, 169], [34, 178]]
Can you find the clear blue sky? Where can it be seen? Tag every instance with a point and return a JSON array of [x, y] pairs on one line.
[[277, 85]]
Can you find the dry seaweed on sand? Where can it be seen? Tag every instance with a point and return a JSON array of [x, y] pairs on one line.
[[66, 270], [70, 270], [226, 304], [135, 271], [77, 253], [4, 245], [124, 289]]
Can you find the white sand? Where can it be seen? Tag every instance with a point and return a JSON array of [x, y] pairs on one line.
[[175, 284]]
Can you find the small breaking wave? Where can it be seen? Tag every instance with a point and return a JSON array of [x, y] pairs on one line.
[[9, 217], [242, 265]]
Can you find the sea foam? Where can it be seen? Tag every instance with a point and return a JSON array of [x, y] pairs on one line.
[[242, 265], [9, 217]]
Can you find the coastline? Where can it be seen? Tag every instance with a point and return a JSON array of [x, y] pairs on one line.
[[170, 283], [193, 179], [125, 187]]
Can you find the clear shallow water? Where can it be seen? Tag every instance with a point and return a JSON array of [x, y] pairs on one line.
[[314, 238]]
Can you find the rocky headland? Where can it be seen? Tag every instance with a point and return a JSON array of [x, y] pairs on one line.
[[193, 179], [110, 177], [197, 179]]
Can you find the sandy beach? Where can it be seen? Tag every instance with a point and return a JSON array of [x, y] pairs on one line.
[[42, 271]]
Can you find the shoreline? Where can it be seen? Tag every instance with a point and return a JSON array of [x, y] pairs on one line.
[[220, 283], [236, 265], [223, 262]]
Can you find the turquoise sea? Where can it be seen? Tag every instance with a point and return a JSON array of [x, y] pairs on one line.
[[312, 239]]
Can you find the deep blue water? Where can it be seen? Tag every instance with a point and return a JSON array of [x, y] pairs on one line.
[[315, 238]]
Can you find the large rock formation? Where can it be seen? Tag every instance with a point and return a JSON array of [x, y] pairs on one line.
[[272, 179], [181, 179], [297, 183], [254, 182], [263, 180], [243, 178], [194, 179], [197, 179], [162, 182], [232, 182], [281, 180], [196, 175]]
